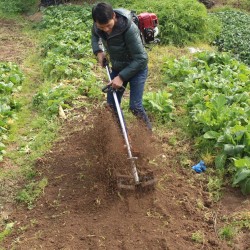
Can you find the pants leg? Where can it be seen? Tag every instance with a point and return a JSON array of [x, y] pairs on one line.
[[137, 84], [136, 93]]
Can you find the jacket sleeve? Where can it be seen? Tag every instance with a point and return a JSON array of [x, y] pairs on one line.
[[95, 42], [137, 52]]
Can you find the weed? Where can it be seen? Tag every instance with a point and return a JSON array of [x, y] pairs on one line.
[[200, 204], [6, 231], [241, 220], [154, 214], [31, 192], [172, 140], [214, 187], [198, 237], [227, 232], [208, 158]]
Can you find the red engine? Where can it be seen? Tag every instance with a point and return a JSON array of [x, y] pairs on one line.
[[147, 23]]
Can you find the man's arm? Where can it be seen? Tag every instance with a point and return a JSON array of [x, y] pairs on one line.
[[95, 41], [96, 47], [137, 52]]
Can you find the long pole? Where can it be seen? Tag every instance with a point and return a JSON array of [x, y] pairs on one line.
[[125, 135]]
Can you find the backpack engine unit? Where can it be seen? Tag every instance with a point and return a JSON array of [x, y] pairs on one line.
[[147, 24]]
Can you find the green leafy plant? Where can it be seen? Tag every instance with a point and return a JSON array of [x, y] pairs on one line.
[[16, 6], [215, 88], [59, 95], [242, 178], [227, 232], [159, 104], [235, 34], [11, 79], [67, 59]]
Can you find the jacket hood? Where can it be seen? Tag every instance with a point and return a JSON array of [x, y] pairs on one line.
[[125, 13], [124, 22]]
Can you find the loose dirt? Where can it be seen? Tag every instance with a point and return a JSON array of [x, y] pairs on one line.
[[81, 208], [13, 43]]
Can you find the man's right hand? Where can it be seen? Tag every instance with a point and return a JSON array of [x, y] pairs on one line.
[[101, 58]]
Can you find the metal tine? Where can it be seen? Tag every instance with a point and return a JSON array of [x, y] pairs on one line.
[[138, 182]]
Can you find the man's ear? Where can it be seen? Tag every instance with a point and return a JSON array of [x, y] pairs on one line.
[[114, 15]]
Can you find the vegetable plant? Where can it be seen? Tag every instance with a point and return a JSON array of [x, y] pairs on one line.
[[216, 88], [160, 104], [235, 34], [11, 79]]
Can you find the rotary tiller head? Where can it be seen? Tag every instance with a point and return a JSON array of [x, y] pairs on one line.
[[127, 182]]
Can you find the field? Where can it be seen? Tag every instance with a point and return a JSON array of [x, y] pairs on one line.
[[57, 190]]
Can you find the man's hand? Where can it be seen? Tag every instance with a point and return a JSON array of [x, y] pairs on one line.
[[116, 83], [101, 58]]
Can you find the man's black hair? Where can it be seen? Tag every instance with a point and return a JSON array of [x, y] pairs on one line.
[[102, 13]]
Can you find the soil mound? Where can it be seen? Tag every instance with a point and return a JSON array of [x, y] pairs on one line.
[[81, 210], [108, 151]]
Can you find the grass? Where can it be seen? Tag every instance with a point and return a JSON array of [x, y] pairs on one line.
[[32, 134], [31, 192], [227, 232], [198, 237], [6, 231]]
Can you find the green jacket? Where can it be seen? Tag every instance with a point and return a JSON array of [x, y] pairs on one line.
[[124, 45]]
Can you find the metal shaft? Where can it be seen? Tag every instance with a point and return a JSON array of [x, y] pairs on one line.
[[125, 135]]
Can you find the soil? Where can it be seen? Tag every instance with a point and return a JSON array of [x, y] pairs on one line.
[[13, 43], [81, 207]]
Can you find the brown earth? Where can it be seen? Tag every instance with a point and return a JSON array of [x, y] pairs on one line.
[[13, 43], [81, 208]]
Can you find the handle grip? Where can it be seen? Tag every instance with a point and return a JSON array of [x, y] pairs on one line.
[[108, 88]]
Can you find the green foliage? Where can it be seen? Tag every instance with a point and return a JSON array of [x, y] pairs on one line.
[[227, 232], [59, 95], [63, 94], [159, 104], [11, 79], [235, 34], [31, 192], [214, 187], [66, 46], [6, 231], [67, 57], [16, 6], [216, 89], [198, 237], [242, 178], [57, 66], [181, 22]]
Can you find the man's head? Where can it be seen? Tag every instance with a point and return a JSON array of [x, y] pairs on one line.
[[104, 17]]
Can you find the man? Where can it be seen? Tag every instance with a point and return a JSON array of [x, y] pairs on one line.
[[121, 39]]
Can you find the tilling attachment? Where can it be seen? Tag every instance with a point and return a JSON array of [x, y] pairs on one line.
[[123, 181], [146, 181]]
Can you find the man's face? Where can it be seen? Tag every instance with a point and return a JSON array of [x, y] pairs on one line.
[[107, 27]]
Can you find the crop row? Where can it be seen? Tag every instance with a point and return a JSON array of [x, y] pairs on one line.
[[66, 58], [216, 91], [11, 79], [235, 34]]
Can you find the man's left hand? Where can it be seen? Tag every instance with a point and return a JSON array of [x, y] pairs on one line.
[[117, 82]]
